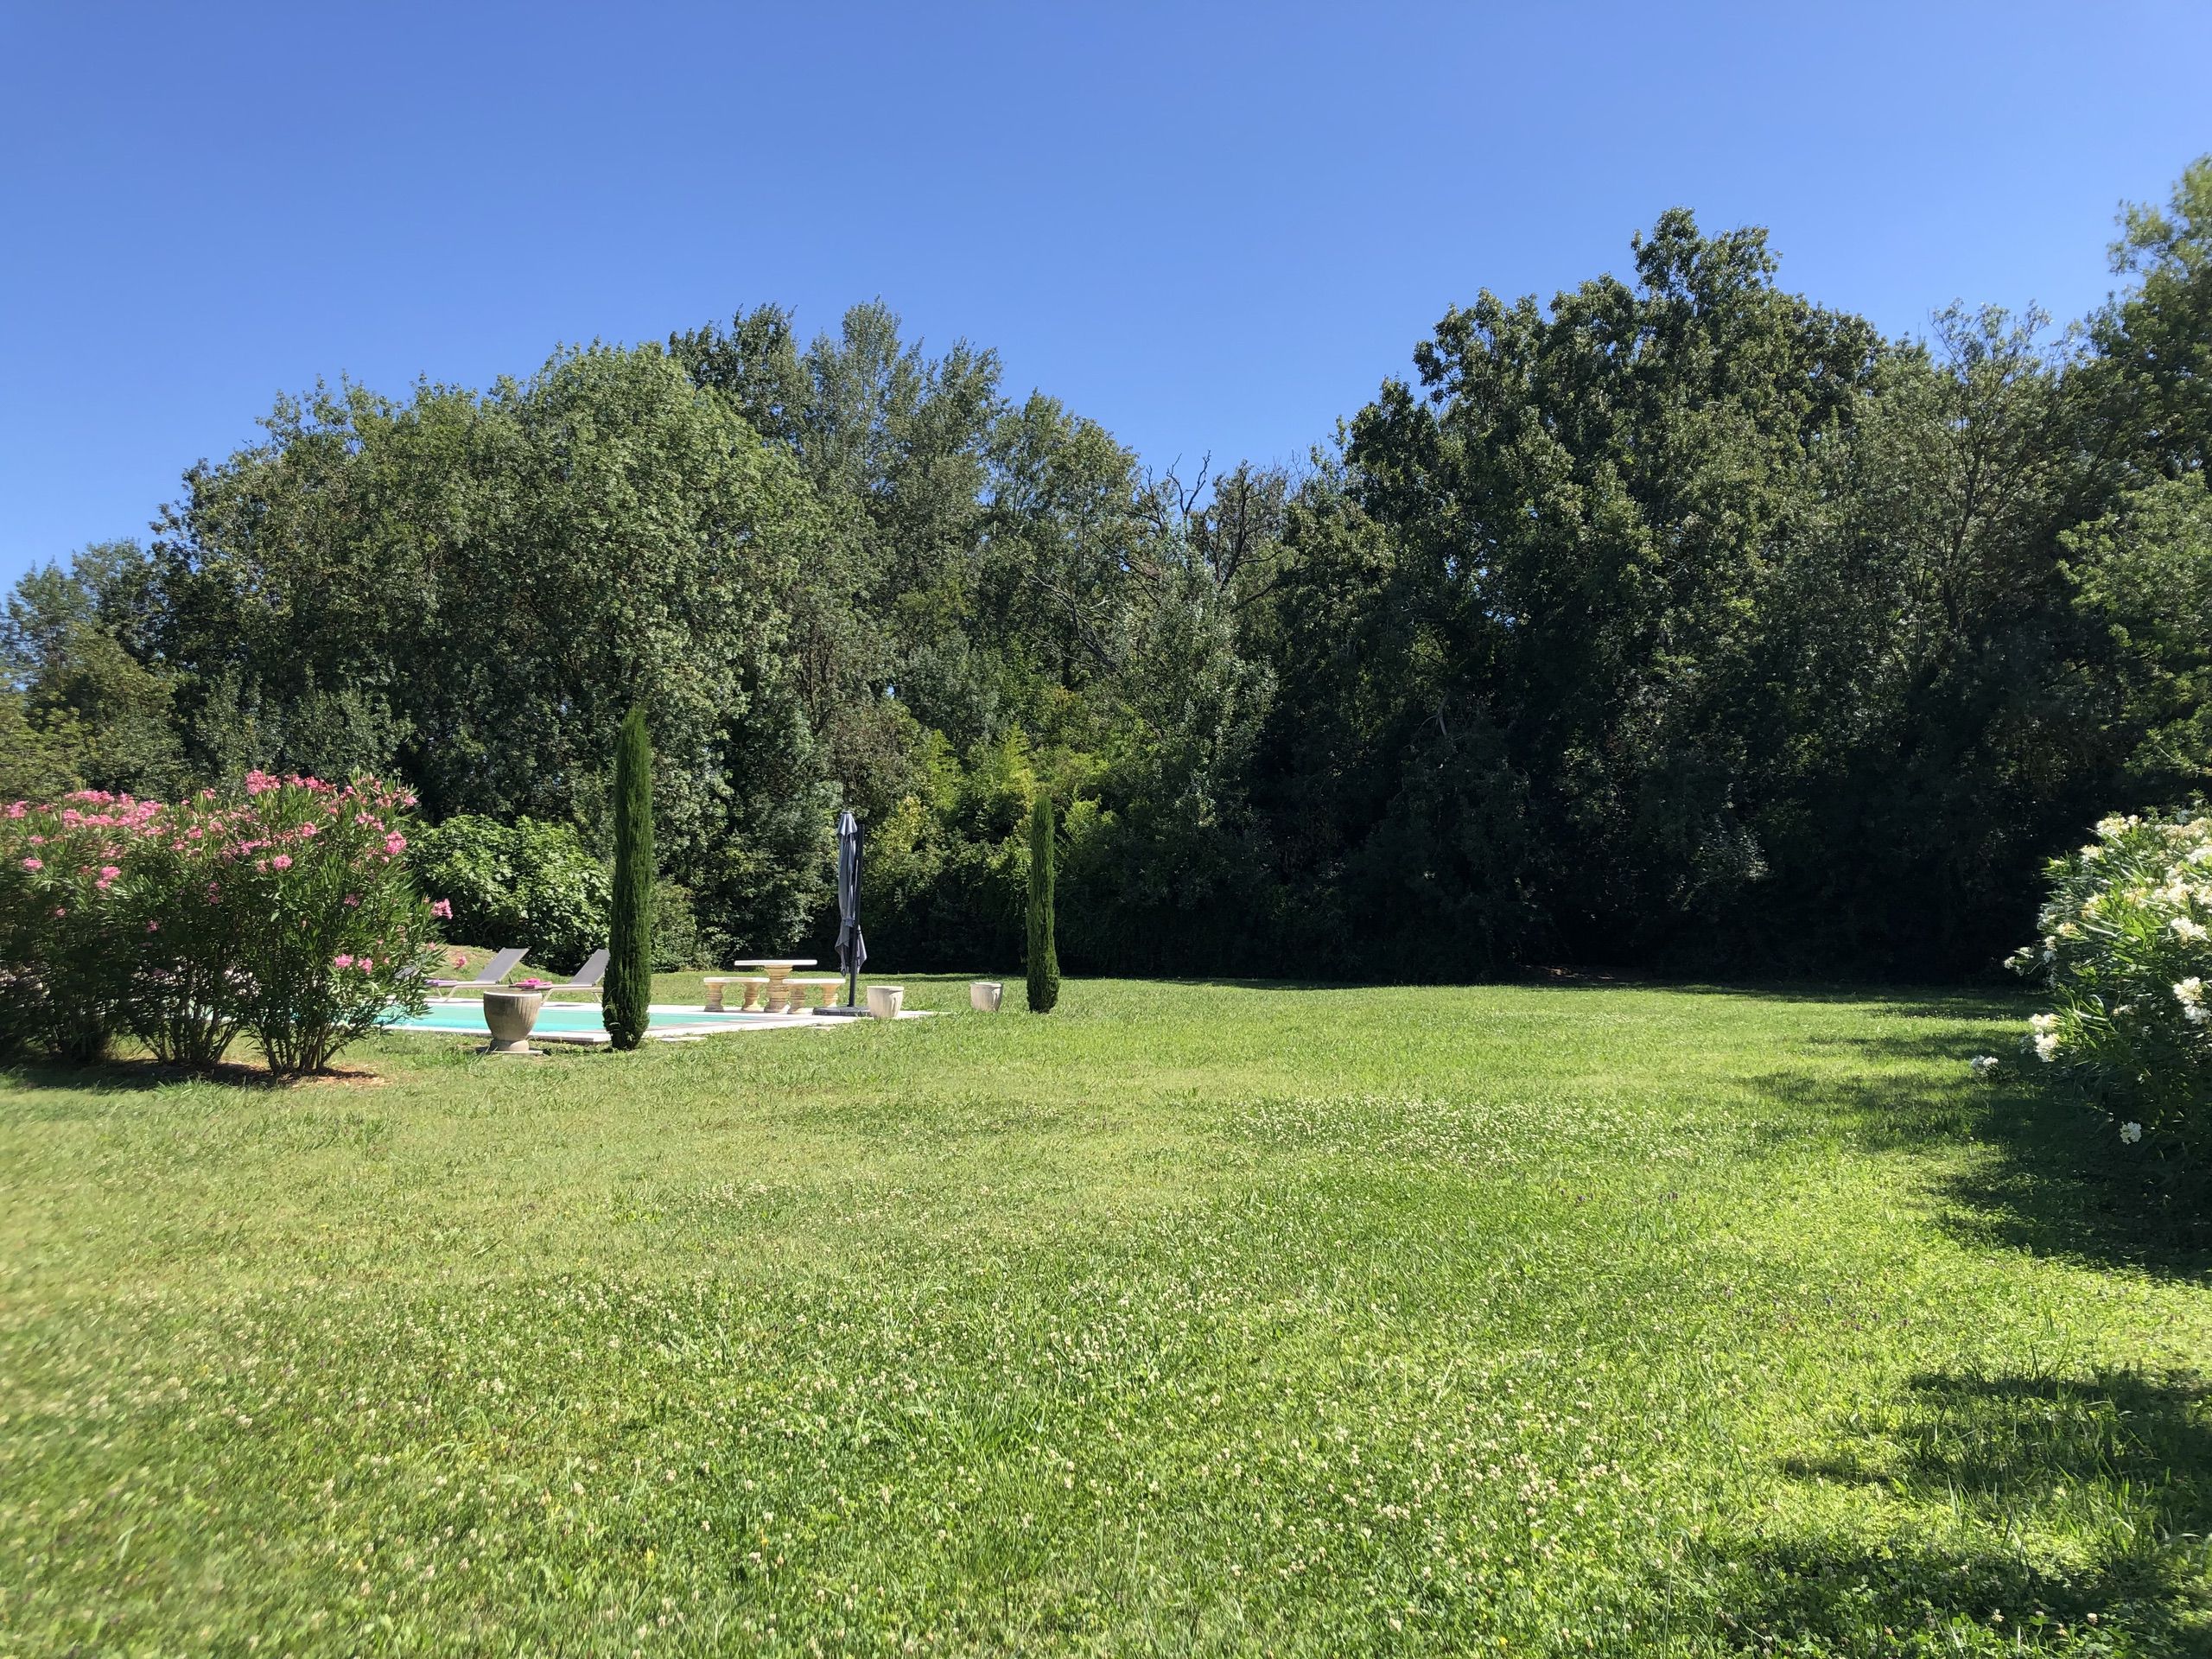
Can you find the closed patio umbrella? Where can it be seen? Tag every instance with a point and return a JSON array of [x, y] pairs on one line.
[[852, 949]]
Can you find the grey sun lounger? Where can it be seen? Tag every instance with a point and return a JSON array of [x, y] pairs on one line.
[[587, 977], [494, 971]]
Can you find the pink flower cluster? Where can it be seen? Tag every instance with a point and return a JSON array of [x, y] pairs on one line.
[[89, 834], [274, 846]]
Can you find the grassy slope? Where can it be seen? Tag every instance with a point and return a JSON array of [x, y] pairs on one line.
[[1191, 1319]]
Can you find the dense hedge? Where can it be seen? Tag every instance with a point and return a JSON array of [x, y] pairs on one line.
[[536, 884], [527, 883]]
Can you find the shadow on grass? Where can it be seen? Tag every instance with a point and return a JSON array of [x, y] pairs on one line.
[[1808, 1598], [2050, 1177], [1902, 1001], [141, 1075], [2119, 1465]]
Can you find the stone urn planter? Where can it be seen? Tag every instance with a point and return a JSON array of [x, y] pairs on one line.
[[883, 1001], [984, 996], [508, 1016]]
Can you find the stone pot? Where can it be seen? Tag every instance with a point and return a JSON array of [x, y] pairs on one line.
[[985, 995], [884, 1000], [509, 1015]]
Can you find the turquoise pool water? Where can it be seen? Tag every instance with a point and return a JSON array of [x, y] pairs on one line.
[[578, 1019]]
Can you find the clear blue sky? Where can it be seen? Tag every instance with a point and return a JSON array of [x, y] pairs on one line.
[[1211, 228]]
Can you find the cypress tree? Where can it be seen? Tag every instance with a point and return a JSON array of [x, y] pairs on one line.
[[626, 1004], [1043, 954]]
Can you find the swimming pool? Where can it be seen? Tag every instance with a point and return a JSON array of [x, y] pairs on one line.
[[579, 1022]]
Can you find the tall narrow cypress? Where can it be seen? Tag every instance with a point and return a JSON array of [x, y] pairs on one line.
[[1043, 954], [626, 1004]]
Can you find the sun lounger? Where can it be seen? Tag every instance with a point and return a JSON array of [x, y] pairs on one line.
[[587, 977], [494, 971]]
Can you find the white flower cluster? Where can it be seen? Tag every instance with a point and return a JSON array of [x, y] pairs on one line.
[[2045, 1037], [1983, 1066], [2190, 993], [2130, 1133], [2154, 871]]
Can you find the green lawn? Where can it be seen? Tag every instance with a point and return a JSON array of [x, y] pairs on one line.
[[1194, 1318]]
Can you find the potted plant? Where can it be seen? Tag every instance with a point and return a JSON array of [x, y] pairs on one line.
[[510, 1013]]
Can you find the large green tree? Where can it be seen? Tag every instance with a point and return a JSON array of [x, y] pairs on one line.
[[1683, 621], [94, 703], [2155, 339], [2144, 573], [1518, 635], [471, 590]]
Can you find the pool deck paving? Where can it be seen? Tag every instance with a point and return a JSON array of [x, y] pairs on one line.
[[672, 1023]]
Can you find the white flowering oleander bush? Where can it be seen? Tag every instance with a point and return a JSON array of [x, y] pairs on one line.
[[2125, 952], [287, 911]]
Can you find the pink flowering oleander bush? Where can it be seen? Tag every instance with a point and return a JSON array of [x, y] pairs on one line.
[[287, 911], [335, 935], [2127, 952], [188, 992], [64, 982]]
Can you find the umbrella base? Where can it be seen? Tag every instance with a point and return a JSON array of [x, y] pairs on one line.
[[839, 1013]]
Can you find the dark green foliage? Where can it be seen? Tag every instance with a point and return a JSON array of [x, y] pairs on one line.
[[1044, 957], [536, 884], [630, 969], [1686, 623], [2155, 342], [1678, 622], [99, 715], [676, 931], [527, 883], [2144, 574], [34, 763], [469, 590]]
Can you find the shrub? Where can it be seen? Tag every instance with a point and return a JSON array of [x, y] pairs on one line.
[[2127, 953], [189, 993], [335, 934], [530, 883], [676, 929], [65, 971], [288, 912]]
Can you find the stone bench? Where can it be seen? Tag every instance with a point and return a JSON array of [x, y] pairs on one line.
[[756, 989], [770, 995], [827, 991]]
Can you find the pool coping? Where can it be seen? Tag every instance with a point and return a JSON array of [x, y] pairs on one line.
[[669, 1024]]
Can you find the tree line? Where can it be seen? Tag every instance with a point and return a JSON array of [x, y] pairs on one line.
[[1678, 623]]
